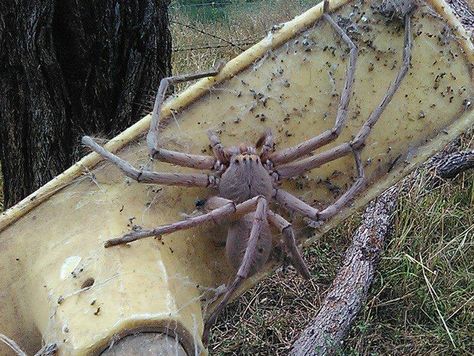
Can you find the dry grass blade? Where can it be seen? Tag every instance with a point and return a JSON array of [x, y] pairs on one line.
[[434, 297]]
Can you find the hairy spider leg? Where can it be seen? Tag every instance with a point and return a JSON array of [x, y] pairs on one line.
[[186, 159], [266, 142], [181, 159], [291, 202], [345, 198], [258, 204], [299, 167], [282, 225], [294, 204], [306, 147], [217, 147], [244, 269], [179, 179], [227, 209], [289, 242]]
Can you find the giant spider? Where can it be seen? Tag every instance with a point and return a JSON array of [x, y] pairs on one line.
[[247, 180]]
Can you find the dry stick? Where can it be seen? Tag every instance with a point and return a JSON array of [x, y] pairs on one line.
[[449, 166], [349, 289]]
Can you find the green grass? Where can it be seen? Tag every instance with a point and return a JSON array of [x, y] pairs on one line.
[[224, 11], [425, 276]]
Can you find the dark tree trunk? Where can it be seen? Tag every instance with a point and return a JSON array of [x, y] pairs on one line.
[[70, 67]]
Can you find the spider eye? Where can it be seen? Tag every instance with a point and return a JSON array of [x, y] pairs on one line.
[[236, 161]]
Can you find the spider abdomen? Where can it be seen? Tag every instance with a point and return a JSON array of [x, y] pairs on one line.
[[237, 240], [245, 178]]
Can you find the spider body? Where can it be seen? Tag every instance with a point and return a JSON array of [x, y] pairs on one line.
[[247, 182], [238, 235], [245, 178]]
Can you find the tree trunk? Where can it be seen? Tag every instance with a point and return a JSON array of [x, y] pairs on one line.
[[68, 68]]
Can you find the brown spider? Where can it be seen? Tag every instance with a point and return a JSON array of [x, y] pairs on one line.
[[247, 181]]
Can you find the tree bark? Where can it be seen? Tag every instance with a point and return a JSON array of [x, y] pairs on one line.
[[349, 289], [68, 68], [450, 165]]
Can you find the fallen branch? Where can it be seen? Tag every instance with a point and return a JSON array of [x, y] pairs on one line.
[[348, 291], [448, 166]]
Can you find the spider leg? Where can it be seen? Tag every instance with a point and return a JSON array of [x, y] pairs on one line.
[[180, 179], [292, 203], [152, 137], [359, 140], [215, 215], [266, 142], [345, 198], [289, 241], [217, 146], [281, 224], [185, 159], [299, 167], [246, 265], [306, 147]]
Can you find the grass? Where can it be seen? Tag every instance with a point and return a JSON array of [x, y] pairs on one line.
[[240, 27], [422, 301]]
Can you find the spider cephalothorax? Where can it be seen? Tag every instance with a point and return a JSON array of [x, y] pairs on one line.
[[247, 178]]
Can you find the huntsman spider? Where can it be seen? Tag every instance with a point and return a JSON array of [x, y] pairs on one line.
[[247, 178]]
